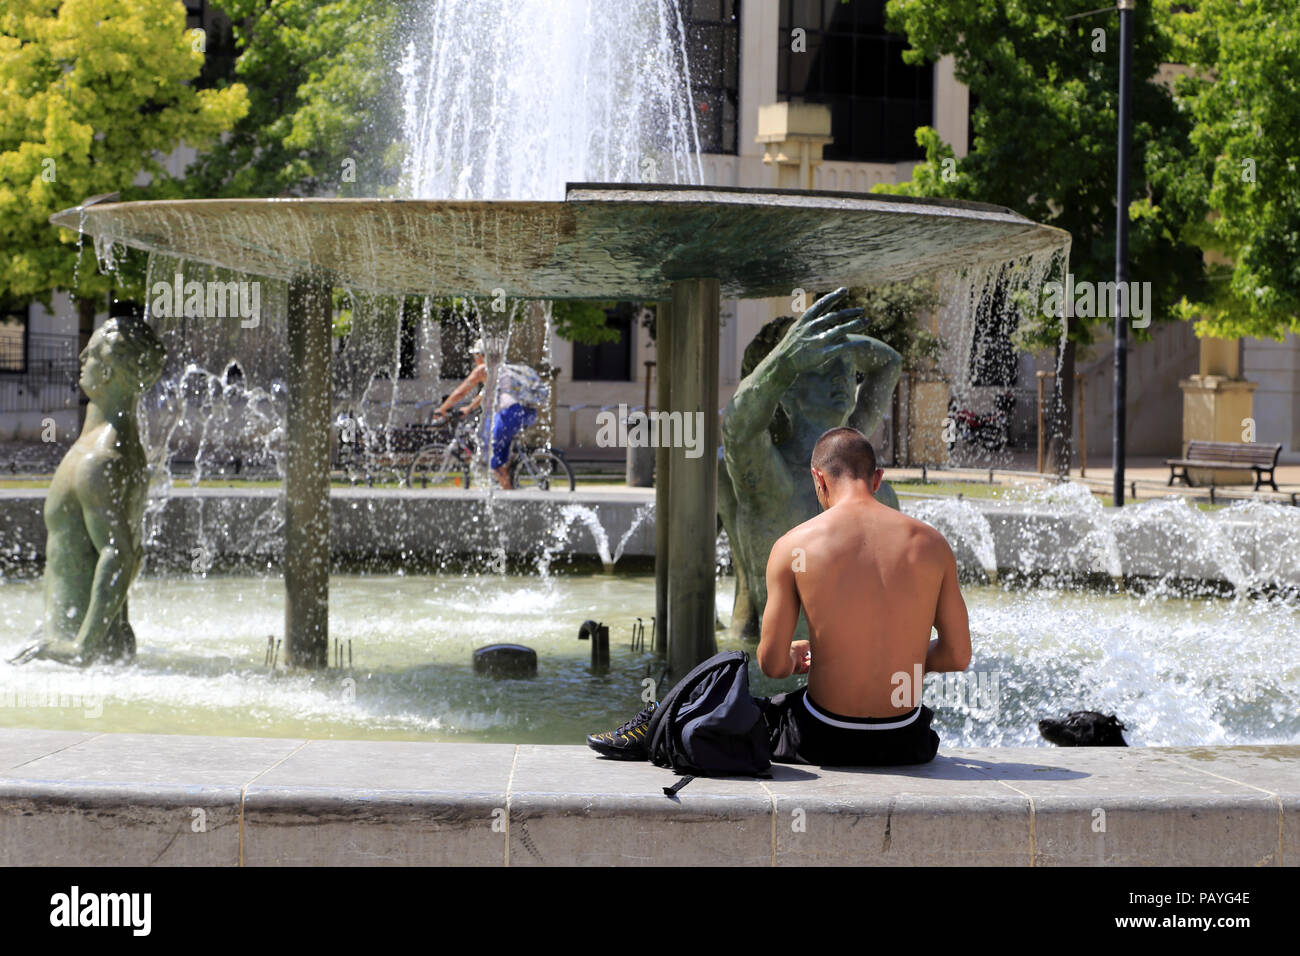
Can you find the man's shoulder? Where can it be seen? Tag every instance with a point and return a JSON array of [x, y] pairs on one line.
[[800, 536], [818, 532], [814, 526], [926, 540], [920, 538]]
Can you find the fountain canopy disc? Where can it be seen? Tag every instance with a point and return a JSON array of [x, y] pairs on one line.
[[604, 241]]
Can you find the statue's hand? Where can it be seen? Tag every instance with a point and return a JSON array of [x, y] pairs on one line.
[[819, 333]]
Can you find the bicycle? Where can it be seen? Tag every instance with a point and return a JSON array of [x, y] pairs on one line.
[[377, 453], [534, 467]]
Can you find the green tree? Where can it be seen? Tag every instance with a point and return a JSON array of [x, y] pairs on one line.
[[1044, 98], [583, 321], [1242, 178], [893, 312], [322, 97], [95, 93]]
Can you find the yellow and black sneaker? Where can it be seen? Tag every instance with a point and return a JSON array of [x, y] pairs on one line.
[[631, 741]]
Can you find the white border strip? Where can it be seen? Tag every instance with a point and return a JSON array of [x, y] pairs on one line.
[[892, 725]]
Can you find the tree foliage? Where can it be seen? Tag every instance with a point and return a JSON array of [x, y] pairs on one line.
[[1044, 102], [322, 93], [1242, 177], [95, 94], [582, 321]]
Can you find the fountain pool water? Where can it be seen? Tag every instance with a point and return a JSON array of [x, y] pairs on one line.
[[1178, 671]]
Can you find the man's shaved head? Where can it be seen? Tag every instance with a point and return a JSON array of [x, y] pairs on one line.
[[844, 453]]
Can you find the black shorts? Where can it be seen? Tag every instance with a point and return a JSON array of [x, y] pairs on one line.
[[800, 731]]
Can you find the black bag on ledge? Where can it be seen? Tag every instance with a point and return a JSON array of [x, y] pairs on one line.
[[709, 725]]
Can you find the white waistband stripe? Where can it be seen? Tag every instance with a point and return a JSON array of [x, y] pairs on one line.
[[889, 725]]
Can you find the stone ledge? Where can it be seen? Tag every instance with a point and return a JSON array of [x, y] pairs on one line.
[[390, 524], [136, 799]]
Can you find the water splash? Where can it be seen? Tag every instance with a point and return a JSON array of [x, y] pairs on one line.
[[1177, 671], [973, 299], [588, 517], [1064, 528], [638, 517], [1073, 501], [962, 521], [511, 100]]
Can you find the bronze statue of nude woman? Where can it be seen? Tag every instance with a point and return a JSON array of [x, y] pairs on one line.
[[94, 509]]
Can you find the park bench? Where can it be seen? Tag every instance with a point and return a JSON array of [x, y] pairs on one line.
[[1227, 454]]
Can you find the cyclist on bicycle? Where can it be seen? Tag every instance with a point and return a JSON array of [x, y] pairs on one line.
[[519, 391]]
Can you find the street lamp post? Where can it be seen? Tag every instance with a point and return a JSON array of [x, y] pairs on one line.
[[1121, 242]]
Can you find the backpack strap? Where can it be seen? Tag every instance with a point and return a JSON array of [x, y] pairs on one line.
[[672, 791]]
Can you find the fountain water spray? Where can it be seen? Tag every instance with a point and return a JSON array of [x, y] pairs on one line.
[[589, 518], [979, 297], [962, 522], [511, 100]]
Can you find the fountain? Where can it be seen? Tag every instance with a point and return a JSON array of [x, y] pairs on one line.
[[685, 246], [601, 88], [552, 153], [485, 220]]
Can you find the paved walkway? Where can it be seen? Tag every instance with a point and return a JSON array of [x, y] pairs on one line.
[[1150, 473]]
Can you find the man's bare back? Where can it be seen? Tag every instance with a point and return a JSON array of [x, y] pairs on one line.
[[872, 582]]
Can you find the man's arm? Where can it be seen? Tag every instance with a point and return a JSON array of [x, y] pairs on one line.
[[461, 390], [950, 651], [781, 615]]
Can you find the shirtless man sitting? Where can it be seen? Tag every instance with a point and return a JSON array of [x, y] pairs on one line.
[[872, 582]]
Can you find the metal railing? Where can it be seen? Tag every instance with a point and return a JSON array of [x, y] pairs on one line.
[[48, 377]]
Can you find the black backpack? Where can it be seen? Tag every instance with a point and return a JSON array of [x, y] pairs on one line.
[[709, 725]]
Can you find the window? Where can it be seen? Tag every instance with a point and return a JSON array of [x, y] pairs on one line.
[[713, 52], [854, 66], [219, 53], [608, 361], [13, 340]]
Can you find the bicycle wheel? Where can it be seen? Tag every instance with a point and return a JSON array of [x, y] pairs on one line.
[[434, 464], [542, 471]]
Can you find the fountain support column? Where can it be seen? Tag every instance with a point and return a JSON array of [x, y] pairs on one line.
[[307, 473], [663, 402], [693, 481]]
